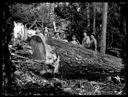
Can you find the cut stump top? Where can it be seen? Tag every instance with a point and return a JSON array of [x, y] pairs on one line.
[[38, 47]]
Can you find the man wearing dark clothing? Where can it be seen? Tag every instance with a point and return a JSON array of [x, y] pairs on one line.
[[93, 43]]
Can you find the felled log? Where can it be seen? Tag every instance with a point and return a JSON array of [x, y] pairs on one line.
[[76, 61]]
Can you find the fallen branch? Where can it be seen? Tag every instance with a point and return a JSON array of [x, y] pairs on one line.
[[32, 24]]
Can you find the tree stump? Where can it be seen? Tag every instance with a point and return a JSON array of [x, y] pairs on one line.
[[38, 48], [41, 50]]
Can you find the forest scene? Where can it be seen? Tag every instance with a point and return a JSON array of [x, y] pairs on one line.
[[63, 48]]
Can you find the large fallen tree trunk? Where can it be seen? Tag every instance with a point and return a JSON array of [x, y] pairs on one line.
[[36, 74], [76, 61]]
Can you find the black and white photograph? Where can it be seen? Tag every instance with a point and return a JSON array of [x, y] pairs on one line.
[[63, 48]]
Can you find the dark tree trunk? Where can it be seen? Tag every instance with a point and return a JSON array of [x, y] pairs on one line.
[[88, 16], [94, 19], [124, 53], [123, 30]]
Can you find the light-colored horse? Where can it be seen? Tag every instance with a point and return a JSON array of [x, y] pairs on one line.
[[20, 31]]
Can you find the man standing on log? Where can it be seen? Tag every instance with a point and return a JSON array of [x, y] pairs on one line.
[[93, 43], [86, 41], [46, 31]]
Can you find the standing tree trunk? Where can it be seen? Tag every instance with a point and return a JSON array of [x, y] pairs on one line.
[[94, 19], [52, 15], [104, 28], [125, 34], [88, 17]]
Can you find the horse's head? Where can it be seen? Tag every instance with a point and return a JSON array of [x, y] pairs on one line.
[[17, 29], [22, 32]]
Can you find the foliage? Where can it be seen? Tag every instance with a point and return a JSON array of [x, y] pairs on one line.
[[23, 11], [28, 13], [70, 13], [113, 28], [79, 21]]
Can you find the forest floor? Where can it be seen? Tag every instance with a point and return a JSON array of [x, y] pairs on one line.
[[29, 82]]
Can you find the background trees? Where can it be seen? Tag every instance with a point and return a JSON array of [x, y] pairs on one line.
[[80, 17], [28, 13], [89, 18]]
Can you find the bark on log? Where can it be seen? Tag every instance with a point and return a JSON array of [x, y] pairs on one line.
[[76, 61]]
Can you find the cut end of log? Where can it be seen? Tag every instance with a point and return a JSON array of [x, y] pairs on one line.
[[41, 50]]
